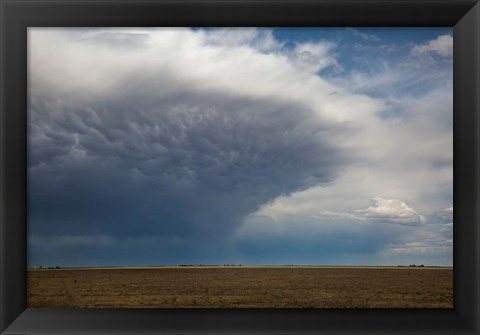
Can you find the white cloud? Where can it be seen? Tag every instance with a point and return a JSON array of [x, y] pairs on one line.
[[446, 214], [384, 210], [419, 248], [408, 157], [337, 215], [315, 56], [365, 36], [259, 39], [392, 210], [431, 239], [441, 46], [448, 210]]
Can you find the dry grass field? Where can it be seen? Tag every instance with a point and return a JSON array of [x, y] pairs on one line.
[[251, 287]]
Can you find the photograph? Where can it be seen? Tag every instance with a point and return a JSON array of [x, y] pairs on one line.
[[240, 167]]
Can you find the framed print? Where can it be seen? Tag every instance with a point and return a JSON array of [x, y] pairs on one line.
[[239, 167], [192, 189]]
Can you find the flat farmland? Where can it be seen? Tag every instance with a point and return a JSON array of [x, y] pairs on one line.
[[242, 287]]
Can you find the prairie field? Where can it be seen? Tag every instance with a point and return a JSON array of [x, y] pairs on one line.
[[242, 287]]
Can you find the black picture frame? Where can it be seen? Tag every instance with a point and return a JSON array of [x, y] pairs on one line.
[[17, 15]]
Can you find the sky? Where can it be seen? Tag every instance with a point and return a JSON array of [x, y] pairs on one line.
[[253, 146]]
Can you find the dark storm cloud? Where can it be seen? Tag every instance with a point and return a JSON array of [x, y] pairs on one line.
[[187, 163]]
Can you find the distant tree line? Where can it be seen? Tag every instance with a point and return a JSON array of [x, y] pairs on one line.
[[40, 267], [184, 265]]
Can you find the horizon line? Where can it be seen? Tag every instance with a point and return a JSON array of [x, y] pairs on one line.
[[40, 267]]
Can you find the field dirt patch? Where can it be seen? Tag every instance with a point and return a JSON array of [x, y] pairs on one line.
[[245, 287]]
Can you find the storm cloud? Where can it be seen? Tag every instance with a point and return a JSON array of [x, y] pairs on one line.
[[136, 160], [179, 163]]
